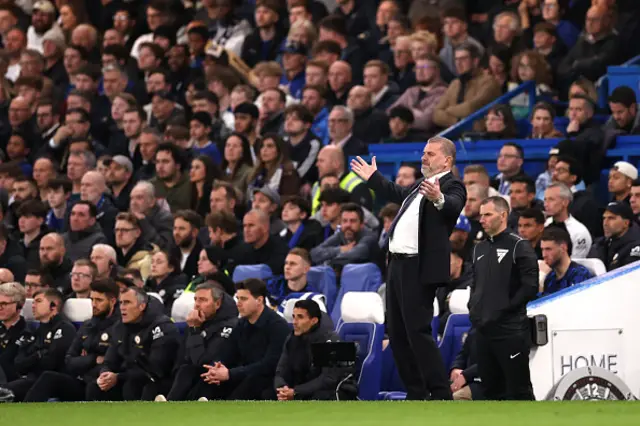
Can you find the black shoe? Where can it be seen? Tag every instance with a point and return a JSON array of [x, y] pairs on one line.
[[6, 395]]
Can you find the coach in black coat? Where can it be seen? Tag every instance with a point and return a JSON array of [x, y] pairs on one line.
[[419, 247]]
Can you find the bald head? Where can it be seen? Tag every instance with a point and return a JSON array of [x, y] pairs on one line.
[[6, 276], [52, 249], [360, 98], [330, 161], [340, 76], [85, 35], [256, 228], [92, 187], [598, 20]]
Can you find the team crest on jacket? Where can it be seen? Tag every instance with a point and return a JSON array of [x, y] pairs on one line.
[[162, 293], [635, 252], [58, 334], [137, 340], [203, 334], [226, 332], [157, 333], [49, 335], [104, 337], [501, 254]]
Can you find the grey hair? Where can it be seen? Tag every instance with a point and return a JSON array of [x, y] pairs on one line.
[[15, 291], [114, 67], [515, 20], [147, 187], [565, 192], [346, 111], [141, 296], [447, 146], [88, 157], [216, 292], [107, 250], [147, 130]]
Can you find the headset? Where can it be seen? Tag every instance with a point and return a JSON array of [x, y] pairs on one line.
[[52, 306]]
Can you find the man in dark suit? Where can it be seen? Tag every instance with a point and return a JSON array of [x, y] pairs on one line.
[[419, 247]]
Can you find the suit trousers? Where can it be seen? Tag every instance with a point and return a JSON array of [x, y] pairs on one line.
[[503, 365], [409, 315], [129, 390], [188, 385], [52, 384]]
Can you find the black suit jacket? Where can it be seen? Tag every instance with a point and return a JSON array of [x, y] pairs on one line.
[[435, 225]]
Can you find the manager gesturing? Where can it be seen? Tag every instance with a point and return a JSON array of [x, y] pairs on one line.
[[419, 252]]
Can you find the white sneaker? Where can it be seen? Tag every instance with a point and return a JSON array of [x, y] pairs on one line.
[[203, 399], [160, 398]]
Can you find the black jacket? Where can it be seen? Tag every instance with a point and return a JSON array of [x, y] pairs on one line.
[[60, 274], [157, 227], [9, 346], [140, 245], [272, 253], [617, 252], [191, 265], [274, 124], [252, 48], [94, 338], [202, 345], [371, 126], [295, 368], [514, 216], [304, 156], [169, 289], [588, 147], [232, 253], [586, 210], [311, 235], [13, 259], [143, 350], [32, 250], [45, 349], [107, 213], [352, 147], [435, 225], [505, 279], [442, 294], [589, 59], [254, 349], [122, 200], [466, 360]]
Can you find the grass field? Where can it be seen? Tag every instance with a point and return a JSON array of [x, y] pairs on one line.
[[318, 413]]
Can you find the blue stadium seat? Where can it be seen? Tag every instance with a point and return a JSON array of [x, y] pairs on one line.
[[323, 278], [457, 327], [78, 311], [285, 309], [368, 338], [391, 386], [362, 277], [182, 327], [242, 272]]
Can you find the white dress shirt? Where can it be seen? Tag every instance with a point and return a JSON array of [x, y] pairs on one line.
[[405, 234]]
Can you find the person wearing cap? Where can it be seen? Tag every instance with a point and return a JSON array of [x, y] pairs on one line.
[[43, 19], [301, 230], [304, 145], [263, 42], [53, 47], [163, 109], [119, 179], [621, 242], [266, 248], [401, 121], [621, 178], [625, 117], [199, 131], [557, 199], [294, 58], [268, 200], [459, 237]]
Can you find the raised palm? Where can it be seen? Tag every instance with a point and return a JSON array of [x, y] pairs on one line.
[[364, 169]]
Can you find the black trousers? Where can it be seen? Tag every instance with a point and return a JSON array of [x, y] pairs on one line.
[[251, 388], [409, 315], [503, 365], [129, 390], [320, 395], [188, 386], [20, 388], [52, 384]]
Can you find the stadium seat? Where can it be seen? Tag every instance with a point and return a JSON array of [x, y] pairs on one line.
[[459, 300], [27, 310], [362, 306], [323, 278], [368, 339], [391, 386], [595, 266], [454, 333], [243, 272], [362, 277], [78, 311], [156, 295], [286, 307], [182, 306]]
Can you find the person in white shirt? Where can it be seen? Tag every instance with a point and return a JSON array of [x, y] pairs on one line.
[[42, 20], [557, 199]]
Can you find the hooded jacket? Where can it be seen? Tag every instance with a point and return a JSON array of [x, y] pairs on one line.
[[80, 243]]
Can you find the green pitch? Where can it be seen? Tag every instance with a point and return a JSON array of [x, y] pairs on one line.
[[317, 413]]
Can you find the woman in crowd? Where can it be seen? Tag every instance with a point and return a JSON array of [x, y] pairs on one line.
[[237, 163], [498, 66], [529, 66], [166, 279], [209, 269], [500, 123], [274, 168], [202, 174]]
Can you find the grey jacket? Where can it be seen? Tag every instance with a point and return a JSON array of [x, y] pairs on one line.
[[612, 125], [79, 244], [157, 227], [364, 251]]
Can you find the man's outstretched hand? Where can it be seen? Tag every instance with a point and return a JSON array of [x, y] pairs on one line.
[[363, 169]]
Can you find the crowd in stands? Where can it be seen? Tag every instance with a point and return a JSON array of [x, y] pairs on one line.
[[154, 146]]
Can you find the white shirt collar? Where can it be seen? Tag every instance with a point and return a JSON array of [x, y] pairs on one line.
[[380, 94], [342, 143], [433, 178]]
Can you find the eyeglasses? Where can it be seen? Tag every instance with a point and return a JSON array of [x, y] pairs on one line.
[[79, 275], [124, 230], [32, 285], [5, 304]]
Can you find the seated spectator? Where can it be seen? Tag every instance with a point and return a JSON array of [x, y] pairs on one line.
[[156, 223], [273, 168], [171, 181], [352, 244], [510, 162], [294, 57], [36, 280], [267, 33], [500, 124], [302, 143], [621, 242], [522, 196], [341, 127], [53, 260], [202, 174], [84, 230], [531, 227], [313, 97], [548, 44], [455, 30], [402, 70], [58, 195], [634, 200], [227, 247], [507, 33], [461, 274], [407, 175], [13, 327], [294, 282], [165, 278], [271, 118], [133, 252], [621, 178], [32, 227], [584, 207], [459, 238], [401, 121], [462, 99], [120, 181], [209, 268], [94, 190], [560, 271], [498, 66], [137, 368], [186, 226], [6, 276], [296, 376], [238, 161], [529, 66], [82, 275], [268, 201], [464, 378], [266, 249], [557, 199], [370, 125], [245, 119], [330, 201], [301, 231], [376, 79], [247, 364], [544, 179], [476, 194], [387, 214], [542, 126], [552, 12], [199, 131], [47, 348], [625, 117], [86, 356], [18, 149], [105, 258], [211, 323]]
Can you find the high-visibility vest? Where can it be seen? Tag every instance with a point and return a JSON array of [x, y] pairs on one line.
[[348, 183]]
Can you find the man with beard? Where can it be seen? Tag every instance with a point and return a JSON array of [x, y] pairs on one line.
[[245, 120], [423, 98], [621, 242], [156, 223], [303, 144], [54, 261], [171, 183], [42, 19], [370, 125], [48, 118], [407, 175], [271, 118], [86, 355], [186, 225], [265, 248], [313, 98], [119, 180], [133, 252], [24, 189], [263, 43]]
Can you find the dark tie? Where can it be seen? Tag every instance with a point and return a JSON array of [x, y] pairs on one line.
[[404, 208]]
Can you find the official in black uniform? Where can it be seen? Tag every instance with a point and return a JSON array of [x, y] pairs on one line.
[[419, 253], [86, 355], [12, 328], [505, 271], [45, 349], [140, 358], [210, 323]]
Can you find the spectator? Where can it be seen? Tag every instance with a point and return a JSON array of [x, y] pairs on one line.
[[294, 56], [634, 200], [155, 222], [266, 249], [353, 244], [82, 275], [36, 280], [313, 98], [557, 199], [469, 92], [78, 164], [531, 227], [459, 238], [584, 207], [106, 260], [341, 128], [271, 119], [246, 123], [454, 27], [186, 225], [12, 326], [53, 48], [171, 181], [403, 64], [263, 42], [335, 28], [294, 282], [330, 201], [11, 255], [542, 122], [43, 171], [226, 28], [476, 194], [133, 252], [510, 162], [529, 66], [507, 30], [401, 121], [303, 144], [621, 178], [268, 75], [340, 83], [461, 274], [93, 188], [274, 169], [624, 111], [199, 131], [202, 174], [407, 175], [621, 242], [387, 214], [544, 179], [163, 109], [32, 227], [552, 12], [301, 231], [84, 231], [166, 278], [560, 271], [120, 181], [522, 196], [237, 163], [210, 268], [376, 79], [145, 149], [227, 246], [548, 45], [499, 65], [369, 125], [42, 20], [500, 123], [317, 73]]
